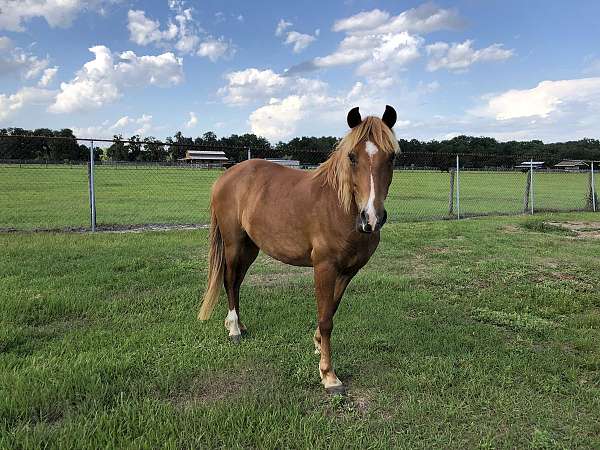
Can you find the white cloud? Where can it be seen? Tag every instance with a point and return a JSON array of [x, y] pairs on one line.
[[121, 123], [26, 96], [16, 60], [252, 84], [547, 98], [193, 121], [48, 76], [126, 126], [144, 31], [313, 106], [381, 44], [299, 40], [57, 13], [101, 80], [278, 120], [459, 56], [423, 19], [282, 25], [214, 49], [182, 34], [145, 122], [365, 20]]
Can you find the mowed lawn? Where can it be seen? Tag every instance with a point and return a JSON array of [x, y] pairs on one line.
[[57, 196], [478, 333]]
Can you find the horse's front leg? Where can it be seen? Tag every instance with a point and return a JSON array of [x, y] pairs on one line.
[[340, 287], [326, 285]]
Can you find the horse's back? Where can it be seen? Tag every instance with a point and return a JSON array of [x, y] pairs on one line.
[[270, 203]]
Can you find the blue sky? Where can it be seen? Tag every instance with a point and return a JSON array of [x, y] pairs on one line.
[[507, 69]]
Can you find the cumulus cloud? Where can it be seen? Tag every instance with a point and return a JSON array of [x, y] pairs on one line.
[[381, 44], [57, 13], [423, 19], [48, 76], [253, 84], [144, 31], [181, 34], [215, 49], [16, 60], [305, 102], [298, 41], [193, 120], [125, 125], [547, 98], [459, 56], [26, 96], [102, 80]]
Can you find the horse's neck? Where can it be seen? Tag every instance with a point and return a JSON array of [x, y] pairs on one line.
[[329, 197]]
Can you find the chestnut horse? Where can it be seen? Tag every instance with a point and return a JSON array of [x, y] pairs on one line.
[[328, 219]]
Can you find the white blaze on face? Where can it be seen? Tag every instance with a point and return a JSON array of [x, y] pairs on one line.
[[371, 150], [232, 323]]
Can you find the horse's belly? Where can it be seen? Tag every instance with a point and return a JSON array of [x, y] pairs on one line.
[[284, 245]]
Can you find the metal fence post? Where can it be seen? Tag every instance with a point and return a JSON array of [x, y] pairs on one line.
[[593, 189], [457, 188], [92, 192], [531, 184], [249, 153]]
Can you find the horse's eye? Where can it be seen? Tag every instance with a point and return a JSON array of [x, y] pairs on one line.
[[392, 158], [352, 158]]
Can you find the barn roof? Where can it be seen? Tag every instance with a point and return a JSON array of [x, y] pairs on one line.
[[205, 155], [572, 163]]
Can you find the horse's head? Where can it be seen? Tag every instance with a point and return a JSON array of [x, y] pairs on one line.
[[371, 159]]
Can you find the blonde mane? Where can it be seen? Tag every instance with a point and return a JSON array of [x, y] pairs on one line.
[[336, 171]]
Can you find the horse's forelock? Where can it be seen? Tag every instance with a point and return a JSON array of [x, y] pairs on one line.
[[336, 170]]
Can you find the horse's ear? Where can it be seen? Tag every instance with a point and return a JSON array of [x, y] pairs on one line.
[[389, 116], [354, 117]]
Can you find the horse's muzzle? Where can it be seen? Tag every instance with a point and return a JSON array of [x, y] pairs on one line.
[[363, 225]]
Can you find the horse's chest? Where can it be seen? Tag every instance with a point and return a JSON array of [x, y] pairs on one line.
[[356, 254]]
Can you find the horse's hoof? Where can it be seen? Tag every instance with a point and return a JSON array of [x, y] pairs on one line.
[[236, 338], [336, 390]]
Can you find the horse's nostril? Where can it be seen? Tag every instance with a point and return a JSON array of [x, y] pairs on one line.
[[384, 218], [367, 227]]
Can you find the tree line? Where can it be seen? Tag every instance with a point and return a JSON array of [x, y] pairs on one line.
[[474, 151]]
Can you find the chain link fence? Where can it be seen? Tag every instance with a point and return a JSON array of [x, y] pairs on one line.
[[44, 195]]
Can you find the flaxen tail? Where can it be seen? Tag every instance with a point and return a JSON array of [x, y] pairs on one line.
[[216, 268]]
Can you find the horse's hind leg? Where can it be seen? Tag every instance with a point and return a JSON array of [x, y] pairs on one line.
[[240, 253]]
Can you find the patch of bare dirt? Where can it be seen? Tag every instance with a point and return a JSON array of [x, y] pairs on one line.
[[581, 229], [215, 388], [275, 279], [510, 229], [278, 273], [112, 228], [436, 250]]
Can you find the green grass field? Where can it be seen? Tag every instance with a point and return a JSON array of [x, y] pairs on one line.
[[57, 196], [479, 333]]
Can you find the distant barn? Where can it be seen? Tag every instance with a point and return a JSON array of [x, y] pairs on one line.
[[208, 158], [527, 165], [572, 165]]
